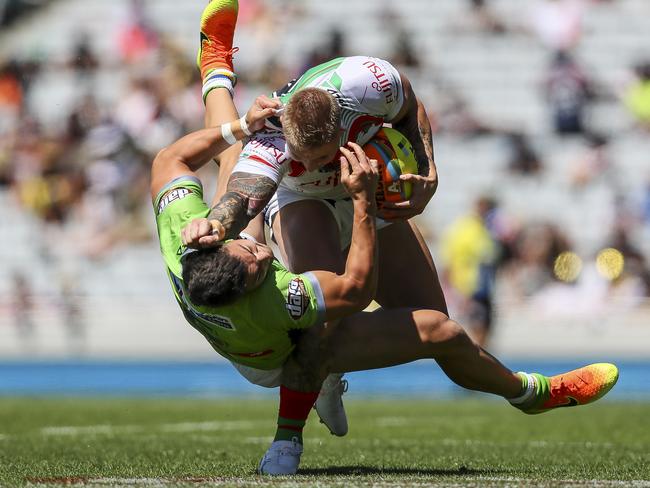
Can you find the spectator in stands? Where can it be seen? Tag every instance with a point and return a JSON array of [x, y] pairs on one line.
[[70, 303], [334, 47], [634, 278], [471, 250], [645, 204], [557, 23], [523, 159], [137, 39], [593, 163], [11, 90], [22, 307], [480, 17], [637, 97], [404, 53], [83, 59], [535, 249], [568, 92]]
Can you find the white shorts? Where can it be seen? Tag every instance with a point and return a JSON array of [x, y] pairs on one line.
[[268, 378], [342, 210]]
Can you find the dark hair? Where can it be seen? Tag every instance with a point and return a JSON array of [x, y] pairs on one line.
[[213, 277]]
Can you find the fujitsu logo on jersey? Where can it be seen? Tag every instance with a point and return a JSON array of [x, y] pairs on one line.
[[297, 298], [383, 83], [267, 145]]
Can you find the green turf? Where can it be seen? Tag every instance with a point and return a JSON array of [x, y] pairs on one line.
[[473, 442]]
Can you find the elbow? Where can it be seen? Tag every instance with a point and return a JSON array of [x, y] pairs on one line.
[[359, 294]]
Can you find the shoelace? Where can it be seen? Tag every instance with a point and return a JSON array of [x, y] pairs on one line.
[[225, 54]]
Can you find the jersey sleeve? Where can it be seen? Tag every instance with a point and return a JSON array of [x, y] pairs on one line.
[[376, 85], [303, 301], [177, 204], [265, 155]]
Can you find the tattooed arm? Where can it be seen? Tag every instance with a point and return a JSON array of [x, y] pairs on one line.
[[413, 122], [194, 150], [246, 196]]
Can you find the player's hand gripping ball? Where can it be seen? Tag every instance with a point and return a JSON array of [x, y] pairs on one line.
[[395, 156]]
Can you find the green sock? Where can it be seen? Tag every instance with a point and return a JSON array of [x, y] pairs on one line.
[[289, 429], [535, 389]]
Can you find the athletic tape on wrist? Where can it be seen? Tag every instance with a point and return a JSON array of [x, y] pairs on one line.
[[226, 133], [244, 126]]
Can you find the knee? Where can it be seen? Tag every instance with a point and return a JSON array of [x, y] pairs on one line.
[[439, 329], [308, 365]]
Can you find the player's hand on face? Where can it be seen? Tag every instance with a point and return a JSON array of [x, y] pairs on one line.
[[359, 174], [202, 233], [423, 189], [263, 108]]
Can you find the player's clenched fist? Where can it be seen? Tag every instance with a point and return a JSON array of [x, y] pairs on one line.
[[201, 233], [359, 174], [263, 108]]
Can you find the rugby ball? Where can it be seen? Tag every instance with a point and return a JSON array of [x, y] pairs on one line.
[[396, 157]]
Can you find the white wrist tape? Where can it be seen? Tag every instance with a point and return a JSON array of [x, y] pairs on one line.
[[226, 133], [244, 126]]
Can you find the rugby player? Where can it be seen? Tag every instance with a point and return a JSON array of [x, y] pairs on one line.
[[289, 171], [246, 304]]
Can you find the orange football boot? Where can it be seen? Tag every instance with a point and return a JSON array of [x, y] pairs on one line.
[[578, 387], [218, 23]]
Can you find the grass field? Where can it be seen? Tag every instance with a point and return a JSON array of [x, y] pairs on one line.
[[470, 442]]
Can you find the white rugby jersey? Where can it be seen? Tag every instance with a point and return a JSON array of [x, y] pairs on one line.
[[369, 92]]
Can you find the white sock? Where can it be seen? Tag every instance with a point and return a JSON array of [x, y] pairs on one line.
[[219, 78], [527, 395]]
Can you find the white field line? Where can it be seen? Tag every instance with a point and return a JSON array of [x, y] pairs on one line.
[[400, 421], [479, 442], [540, 443], [208, 426], [71, 430]]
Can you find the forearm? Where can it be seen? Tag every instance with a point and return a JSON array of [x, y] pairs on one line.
[[360, 267], [246, 196], [196, 149], [416, 127]]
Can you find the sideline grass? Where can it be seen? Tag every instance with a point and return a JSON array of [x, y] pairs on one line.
[[171, 442]]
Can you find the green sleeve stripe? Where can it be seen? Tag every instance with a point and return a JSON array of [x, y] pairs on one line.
[[320, 299], [174, 183], [313, 73]]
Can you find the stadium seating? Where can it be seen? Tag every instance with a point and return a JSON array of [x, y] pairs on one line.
[[498, 76]]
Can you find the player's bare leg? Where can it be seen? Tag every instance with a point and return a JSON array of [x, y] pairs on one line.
[[308, 238], [392, 337], [219, 109], [407, 273], [215, 61]]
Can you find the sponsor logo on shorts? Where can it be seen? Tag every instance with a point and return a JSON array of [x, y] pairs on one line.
[[297, 298], [171, 196]]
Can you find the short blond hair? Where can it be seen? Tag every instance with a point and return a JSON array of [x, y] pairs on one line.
[[311, 118]]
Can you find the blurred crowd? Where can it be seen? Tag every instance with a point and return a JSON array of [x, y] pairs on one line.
[[87, 174]]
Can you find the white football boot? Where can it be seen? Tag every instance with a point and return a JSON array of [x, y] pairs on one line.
[[282, 458], [329, 404]]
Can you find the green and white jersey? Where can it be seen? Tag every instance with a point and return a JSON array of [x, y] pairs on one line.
[[254, 330], [362, 85], [369, 92]]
